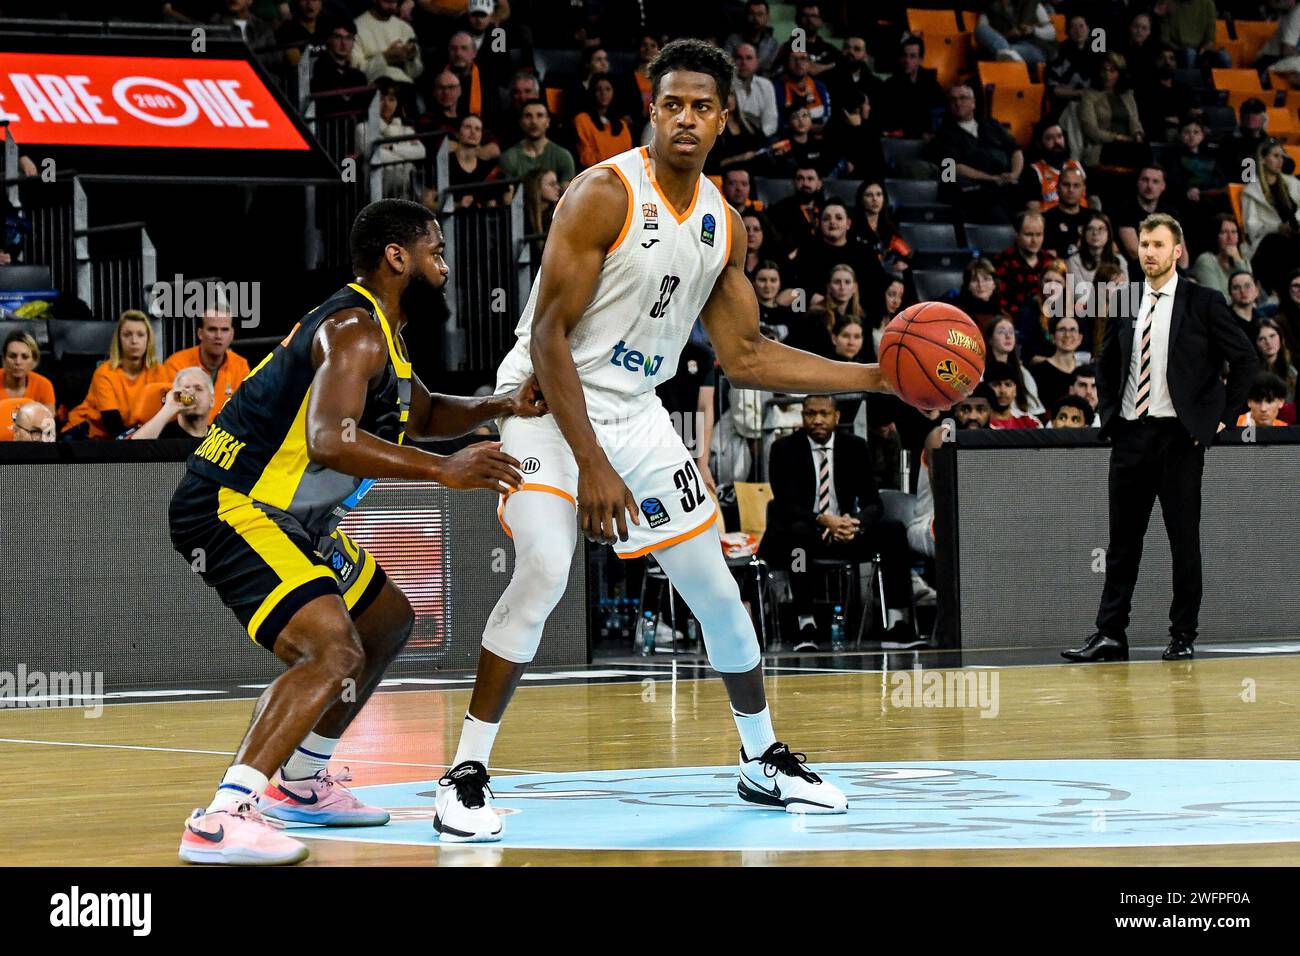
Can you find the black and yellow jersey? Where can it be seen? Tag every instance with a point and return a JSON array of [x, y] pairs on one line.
[[258, 443]]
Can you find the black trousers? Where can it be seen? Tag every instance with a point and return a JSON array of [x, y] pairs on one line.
[[797, 551], [1153, 458]]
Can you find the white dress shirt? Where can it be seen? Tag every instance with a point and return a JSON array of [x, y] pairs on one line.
[[756, 100], [834, 508], [1161, 404]]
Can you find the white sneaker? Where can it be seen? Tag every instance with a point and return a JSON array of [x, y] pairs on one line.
[[463, 812], [781, 780]]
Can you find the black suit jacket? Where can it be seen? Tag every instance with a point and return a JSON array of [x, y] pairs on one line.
[[794, 484], [1203, 334]]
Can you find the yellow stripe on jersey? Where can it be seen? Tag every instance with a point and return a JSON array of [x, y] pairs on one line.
[[400, 362], [272, 545], [285, 469]]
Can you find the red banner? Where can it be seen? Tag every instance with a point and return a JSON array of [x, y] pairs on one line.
[[195, 103]]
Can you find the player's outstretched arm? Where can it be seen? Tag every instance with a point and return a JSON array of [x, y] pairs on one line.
[[752, 361], [450, 416], [349, 352], [586, 225]]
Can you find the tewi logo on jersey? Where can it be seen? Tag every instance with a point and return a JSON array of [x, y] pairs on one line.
[[75, 909], [635, 361], [38, 689], [196, 299], [707, 228]]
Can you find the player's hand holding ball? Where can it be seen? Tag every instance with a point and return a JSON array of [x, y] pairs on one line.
[[604, 501], [483, 465], [932, 355]]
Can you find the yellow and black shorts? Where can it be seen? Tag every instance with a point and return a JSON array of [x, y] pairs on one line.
[[262, 562]]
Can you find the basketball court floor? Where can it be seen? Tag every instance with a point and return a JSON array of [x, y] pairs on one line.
[[1011, 760]]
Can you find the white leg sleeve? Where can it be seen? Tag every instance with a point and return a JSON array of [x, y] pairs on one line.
[[700, 574], [545, 532]]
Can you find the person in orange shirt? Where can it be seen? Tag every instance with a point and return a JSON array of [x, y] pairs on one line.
[[600, 135], [118, 384], [21, 356], [1265, 399], [225, 367]]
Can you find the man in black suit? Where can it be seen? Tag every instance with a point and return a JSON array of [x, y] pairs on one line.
[[824, 505], [1162, 399]]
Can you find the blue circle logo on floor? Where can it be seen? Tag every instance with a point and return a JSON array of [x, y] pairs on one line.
[[892, 806]]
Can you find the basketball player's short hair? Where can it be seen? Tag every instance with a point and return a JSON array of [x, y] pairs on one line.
[[384, 221], [1158, 219], [694, 56]]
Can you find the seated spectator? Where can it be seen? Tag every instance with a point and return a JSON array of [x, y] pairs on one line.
[[759, 35], [186, 411], [840, 300], [1055, 372], [1041, 178], [799, 89], [1196, 179], [34, 422], [601, 134], [305, 28], [445, 115], [1213, 267], [396, 161], [1020, 267], [1150, 198], [975, 410], [775, 319], [226, 368], [1070, 411], [1063, 221], [854, 74], [1280, 54], [117, 385], [465, 166], [824, 505], [756, 109], [758, 247], [823, 58], [873, 225], [979, 293], [21, 380], [832, 246], [1267, 395], [577, 92], [1270, 211], [1247, 138], [848, 338], [999, 377], [798, 216], [738, 147], [494, 39], [257, 33], [387, 46], [1108, 114], [737, 189], [1287, 314], [1000, 346], [912, 95], [1243, 293], [338, 70], [890, 301], [1140, 48], [541, 196], [1275, 355], [524, 89], [1098, 247], [536, 151], [1075, 63], [1083, 386], [853, 140], [988, 160], [477, 88], [1188, 26], [1018, 30], [1163, 99]]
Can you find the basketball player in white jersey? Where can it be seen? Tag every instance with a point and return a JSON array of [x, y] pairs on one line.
[[641, 245]]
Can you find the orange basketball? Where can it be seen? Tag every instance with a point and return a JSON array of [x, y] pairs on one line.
[[932, 355]]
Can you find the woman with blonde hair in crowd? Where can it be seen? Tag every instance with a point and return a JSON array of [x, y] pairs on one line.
[[111, 405], [21, 380]]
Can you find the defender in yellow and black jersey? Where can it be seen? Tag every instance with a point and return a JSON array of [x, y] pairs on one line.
[[310, 430]]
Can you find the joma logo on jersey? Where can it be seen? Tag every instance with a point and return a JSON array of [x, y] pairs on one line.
[[220, 447], [963, 340], [635, 361]]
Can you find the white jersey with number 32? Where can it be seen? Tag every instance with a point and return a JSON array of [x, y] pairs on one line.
[[655, 280]]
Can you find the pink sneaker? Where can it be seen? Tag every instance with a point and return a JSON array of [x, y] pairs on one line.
[[322, 800], [241, 836]]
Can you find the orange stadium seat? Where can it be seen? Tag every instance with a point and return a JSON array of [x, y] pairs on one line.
[[1237, 80], [554, 100], [1291, 99], [7, 409], [1058, 21], [937, 23], [1018, 108], [1280, 82], [1235, 49], [1234, 195], [1294, 153], [1283, 124], [1253, 34], [1003, 74], [949, 55]]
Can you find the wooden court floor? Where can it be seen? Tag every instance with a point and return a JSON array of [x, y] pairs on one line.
[[150, 764]]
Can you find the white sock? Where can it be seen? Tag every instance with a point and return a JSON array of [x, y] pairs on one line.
[[894, 616], [756, 733], [476, 739], [241, 784], [805, 620], [309, 758]]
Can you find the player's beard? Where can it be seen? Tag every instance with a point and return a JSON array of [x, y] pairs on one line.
[[422, 299]]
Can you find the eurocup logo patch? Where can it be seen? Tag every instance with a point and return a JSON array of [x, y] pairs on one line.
[[706, 230], [654, 511]]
